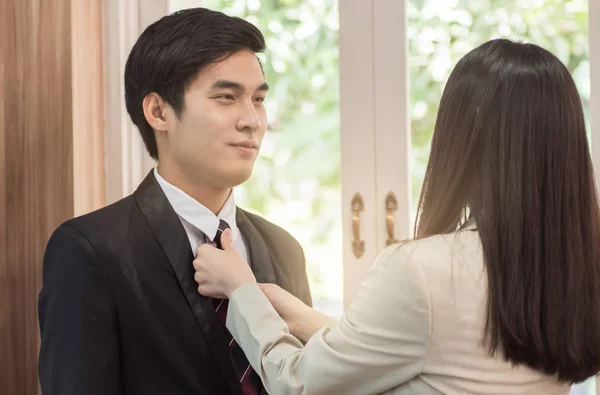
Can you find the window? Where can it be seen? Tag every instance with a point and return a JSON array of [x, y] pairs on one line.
[[440, 32]]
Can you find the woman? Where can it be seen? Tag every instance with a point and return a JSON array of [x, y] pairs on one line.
[[500, 291]]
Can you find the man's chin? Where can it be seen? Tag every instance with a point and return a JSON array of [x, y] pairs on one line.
[[237, 178]]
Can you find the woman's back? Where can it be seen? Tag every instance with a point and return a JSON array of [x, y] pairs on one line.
[[457, 360]]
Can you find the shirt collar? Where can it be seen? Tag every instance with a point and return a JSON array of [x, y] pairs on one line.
[[469, 225], [197, 214]]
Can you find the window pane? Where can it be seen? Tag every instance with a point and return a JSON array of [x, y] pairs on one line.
[[440, 32]]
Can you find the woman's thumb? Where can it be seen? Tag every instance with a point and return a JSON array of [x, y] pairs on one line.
[[226, 241]]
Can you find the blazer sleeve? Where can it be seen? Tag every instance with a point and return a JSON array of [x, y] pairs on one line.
[[381, 342], [79, 351]]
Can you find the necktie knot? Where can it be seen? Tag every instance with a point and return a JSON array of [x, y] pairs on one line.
[[222, 226]]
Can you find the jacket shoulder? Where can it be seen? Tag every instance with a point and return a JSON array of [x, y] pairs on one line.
[[287, 255], [103, 226], [271, 232]]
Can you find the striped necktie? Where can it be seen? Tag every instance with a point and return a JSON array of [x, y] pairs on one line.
[[249, 379]]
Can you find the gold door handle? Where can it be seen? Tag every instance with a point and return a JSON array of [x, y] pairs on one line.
[[357, 206], [391, 205]]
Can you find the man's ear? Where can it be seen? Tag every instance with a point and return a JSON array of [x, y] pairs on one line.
[[156, 111]]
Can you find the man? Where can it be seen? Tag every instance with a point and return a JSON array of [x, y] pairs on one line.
[[119, 308]]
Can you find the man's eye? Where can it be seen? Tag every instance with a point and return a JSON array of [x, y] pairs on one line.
[[260, 99], [226, 97]]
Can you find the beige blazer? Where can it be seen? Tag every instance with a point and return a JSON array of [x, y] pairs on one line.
[[416, 327]]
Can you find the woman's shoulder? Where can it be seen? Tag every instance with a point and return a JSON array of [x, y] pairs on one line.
[[434, 255]]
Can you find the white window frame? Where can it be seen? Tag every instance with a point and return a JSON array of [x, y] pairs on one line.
[[375, 128], [127, 161]]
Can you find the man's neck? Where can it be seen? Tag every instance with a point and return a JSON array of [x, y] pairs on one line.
[[210, 197]]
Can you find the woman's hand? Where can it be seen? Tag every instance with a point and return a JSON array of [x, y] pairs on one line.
[[220, 272], [302, 320]]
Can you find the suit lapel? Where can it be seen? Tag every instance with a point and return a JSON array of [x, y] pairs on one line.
[[171, 236], [258, 254]]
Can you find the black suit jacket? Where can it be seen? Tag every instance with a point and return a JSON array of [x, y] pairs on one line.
[[119, 309]]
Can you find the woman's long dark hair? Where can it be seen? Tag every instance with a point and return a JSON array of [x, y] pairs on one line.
[[510, 149]]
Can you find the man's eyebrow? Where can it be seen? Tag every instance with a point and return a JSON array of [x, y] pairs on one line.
[[263, 87], [227, 84]]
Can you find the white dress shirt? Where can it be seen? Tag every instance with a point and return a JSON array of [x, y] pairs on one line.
[[197, 220]]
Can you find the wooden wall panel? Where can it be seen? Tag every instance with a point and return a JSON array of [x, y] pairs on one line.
[[41, 99], [4, 293]]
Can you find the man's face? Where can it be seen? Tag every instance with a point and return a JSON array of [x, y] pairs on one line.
[[220, 129]]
